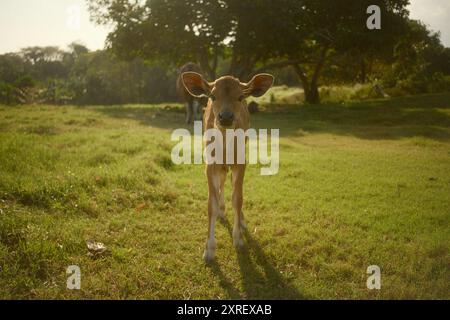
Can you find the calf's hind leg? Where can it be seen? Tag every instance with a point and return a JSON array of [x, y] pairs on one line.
[[189, 112], [223, 176]]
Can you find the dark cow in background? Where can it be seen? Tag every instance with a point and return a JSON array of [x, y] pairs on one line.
[[194, 105]]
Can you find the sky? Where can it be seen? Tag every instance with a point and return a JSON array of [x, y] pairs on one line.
[[435, 14], [26, 23]]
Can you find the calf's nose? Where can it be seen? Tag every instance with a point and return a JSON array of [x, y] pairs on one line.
[[226, 118]]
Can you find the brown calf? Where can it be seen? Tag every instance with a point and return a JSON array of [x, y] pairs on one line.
[[226, 109]]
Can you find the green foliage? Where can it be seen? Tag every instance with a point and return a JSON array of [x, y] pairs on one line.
[[25, 81], [422, 83], [246, 32], [420, 63], [50, 75], [8, 93]]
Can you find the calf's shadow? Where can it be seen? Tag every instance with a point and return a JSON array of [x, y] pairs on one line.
[[260, 279]]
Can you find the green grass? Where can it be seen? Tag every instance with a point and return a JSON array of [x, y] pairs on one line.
[[359, 184]]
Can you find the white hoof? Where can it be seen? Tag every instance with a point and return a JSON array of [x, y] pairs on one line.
[[238, 242], [208, 255]]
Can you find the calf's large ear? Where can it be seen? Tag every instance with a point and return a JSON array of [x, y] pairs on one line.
[[259, 85], [195, 84]]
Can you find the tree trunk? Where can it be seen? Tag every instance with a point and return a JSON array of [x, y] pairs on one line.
[[245, 72], [311, 88], [242, 68], [313, 94], [210, 72]]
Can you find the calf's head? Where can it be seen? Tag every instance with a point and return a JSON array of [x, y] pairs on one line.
[[226, 94]]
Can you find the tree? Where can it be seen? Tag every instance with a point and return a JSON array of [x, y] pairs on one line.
[[330, 33], [246, 32], [420, 61], [253, 35], [165, 31], [46, 62], [12, 67]]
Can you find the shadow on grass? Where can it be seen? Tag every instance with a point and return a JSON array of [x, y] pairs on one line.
[[260, 279], [165, 116], [425, 116]]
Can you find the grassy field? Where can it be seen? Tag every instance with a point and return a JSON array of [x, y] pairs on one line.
[[328, 94], [359, 184]]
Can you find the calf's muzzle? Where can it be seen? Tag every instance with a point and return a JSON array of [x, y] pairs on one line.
[[226, 118]]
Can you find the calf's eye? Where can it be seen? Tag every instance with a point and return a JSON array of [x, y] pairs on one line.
[[241, 98]]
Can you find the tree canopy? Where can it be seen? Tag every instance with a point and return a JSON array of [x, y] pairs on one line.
[[251, 35]]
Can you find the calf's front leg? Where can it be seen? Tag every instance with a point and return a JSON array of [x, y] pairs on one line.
[[213, 176], [237, 173]]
